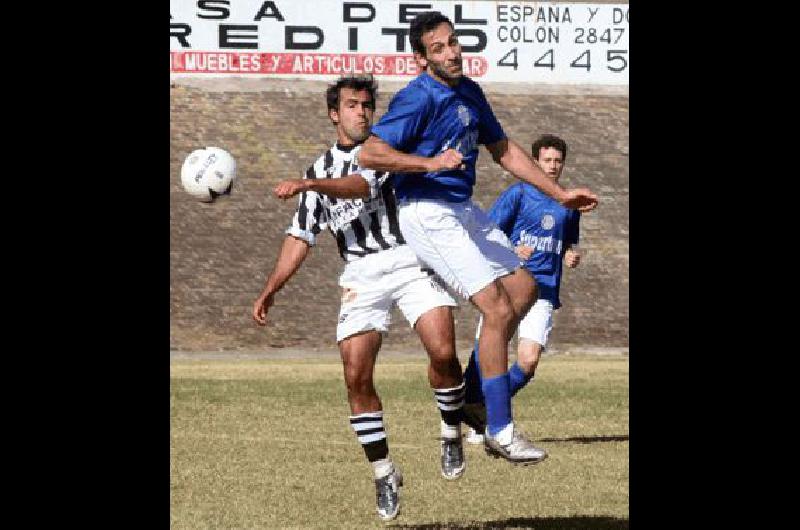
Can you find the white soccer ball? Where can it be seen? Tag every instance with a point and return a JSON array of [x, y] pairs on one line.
[[208, 173]]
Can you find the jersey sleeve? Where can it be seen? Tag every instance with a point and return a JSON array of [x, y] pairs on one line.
[[405, 119], [504, 210], [489, 128], [309, 217]]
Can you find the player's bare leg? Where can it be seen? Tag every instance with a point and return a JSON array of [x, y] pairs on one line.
[[522, 292], [358, 359], [499, 320], [497, 312], [435, 329], [521, 288], [528, 354]]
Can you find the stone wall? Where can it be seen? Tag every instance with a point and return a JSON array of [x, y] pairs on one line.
[[220, 253]]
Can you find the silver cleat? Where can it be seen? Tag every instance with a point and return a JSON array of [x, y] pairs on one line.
[[453, 463], [520, 451], [387, 495]]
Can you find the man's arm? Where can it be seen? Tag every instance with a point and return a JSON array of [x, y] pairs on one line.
[[516, 161], [292, 254], [353, 186], [377, 154]]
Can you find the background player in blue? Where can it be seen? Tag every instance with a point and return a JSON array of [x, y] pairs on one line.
[[545, 233], [429, 139]]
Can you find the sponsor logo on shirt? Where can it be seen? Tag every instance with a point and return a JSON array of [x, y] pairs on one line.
[[540, 243]]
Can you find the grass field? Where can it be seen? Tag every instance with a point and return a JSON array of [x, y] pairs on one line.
[[267, 444]]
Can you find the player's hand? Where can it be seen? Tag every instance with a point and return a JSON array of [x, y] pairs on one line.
[[450, 159], [261, 308], [581, 199], [572, 258], [289, 188], [524, 252]]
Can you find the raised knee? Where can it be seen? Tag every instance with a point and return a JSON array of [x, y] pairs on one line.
[[501, 312]]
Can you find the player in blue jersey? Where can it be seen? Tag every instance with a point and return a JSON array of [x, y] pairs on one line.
[[545, 234], [429, 139]]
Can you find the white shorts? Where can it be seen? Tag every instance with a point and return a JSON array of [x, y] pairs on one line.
[[536, 325], [372, 284], [458, 241]]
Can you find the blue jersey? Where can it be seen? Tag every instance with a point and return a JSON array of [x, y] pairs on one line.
[[426, 118], [529, 217]]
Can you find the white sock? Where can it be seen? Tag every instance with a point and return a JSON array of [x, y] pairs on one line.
[[450, 431], [382, 467], [505, 435]]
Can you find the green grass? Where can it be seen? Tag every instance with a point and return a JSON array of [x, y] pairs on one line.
[[267, 444]]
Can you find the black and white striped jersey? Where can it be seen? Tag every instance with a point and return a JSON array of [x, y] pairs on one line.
[[360, 227]]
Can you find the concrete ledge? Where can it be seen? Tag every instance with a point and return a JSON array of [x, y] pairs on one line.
[[307, 86]]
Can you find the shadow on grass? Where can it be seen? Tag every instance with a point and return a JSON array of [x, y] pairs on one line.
[[540, 523], [587, 439]]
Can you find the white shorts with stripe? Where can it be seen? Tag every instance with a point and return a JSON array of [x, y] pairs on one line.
[[372, 284], [458, 241]]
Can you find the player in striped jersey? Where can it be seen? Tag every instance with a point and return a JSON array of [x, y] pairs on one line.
[[380, 271]]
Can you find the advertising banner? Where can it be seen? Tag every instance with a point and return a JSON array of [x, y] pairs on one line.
[[559, 43]]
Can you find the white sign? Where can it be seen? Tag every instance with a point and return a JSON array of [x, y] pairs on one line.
[[501, 41]]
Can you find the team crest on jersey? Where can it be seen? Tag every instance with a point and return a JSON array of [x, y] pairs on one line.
[[548, 221], [463, 115]]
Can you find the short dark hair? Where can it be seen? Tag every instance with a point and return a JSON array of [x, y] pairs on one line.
[[365, 82], [423, 23], [549, 140]]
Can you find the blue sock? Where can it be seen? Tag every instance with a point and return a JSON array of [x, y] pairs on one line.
[[518, 379], [498, 402], [472, 378]]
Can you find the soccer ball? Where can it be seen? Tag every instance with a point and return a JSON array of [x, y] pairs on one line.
[[208, 173]]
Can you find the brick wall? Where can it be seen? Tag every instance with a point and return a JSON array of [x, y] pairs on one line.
[[220, 253]]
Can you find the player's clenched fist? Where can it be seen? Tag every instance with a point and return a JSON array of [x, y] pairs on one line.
[[571, 258], [450, 159], [289, 188]]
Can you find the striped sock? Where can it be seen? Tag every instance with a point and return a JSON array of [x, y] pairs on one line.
[[369, 430], [450, 402]]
